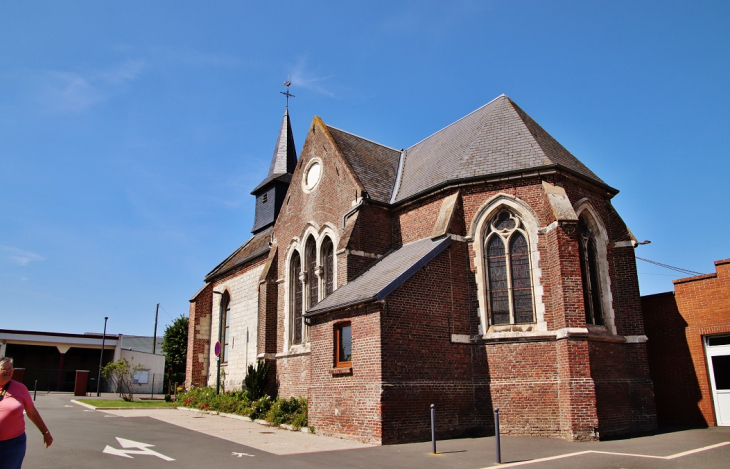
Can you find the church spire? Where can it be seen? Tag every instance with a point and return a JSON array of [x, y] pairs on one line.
[[285, 154], [270, 193]]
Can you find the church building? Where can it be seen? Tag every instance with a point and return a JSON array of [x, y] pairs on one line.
[[482, 267]]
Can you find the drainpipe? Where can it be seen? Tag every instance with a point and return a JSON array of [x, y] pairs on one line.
[[363, 195]]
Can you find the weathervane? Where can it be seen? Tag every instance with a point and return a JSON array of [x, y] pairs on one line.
[[287, 94]]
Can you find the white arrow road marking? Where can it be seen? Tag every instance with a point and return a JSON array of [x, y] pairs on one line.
[[240, 455], [143, 449]]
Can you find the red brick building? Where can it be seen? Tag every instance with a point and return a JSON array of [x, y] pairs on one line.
[[689, 349], [481, 267]]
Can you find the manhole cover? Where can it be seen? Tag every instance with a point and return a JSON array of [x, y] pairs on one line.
[[267, 433]]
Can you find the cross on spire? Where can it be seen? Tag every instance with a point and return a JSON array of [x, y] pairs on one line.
[[287, 94]]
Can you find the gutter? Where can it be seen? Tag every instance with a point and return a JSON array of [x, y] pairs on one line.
[[354, 209]]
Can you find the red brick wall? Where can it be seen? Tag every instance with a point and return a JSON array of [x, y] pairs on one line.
[[196, 365], [624, 390], [347, 404], [520, 378], [676, 326], [421, 366]]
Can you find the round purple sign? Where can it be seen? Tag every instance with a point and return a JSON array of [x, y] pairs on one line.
[[217, 349]]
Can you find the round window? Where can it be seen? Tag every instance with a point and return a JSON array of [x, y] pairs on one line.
[[313, 173]]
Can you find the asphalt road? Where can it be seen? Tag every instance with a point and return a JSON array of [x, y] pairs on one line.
[[86, 438]]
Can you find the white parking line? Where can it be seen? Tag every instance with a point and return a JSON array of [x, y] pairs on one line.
[[570, 455]]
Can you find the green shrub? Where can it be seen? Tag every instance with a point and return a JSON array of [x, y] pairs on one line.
[[260, 407], [291, 411], [255, 380]]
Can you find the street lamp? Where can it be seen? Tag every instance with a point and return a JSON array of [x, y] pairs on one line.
[[220, 338], [101, 358]]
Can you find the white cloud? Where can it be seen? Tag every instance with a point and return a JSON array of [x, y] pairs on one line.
[[18, 256], [64, 91], [302, 77]]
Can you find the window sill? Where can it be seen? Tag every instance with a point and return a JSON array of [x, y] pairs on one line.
[[295, 351], [341, 371]]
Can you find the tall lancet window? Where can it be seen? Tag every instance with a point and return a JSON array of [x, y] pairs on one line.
[[328, 266], [225, 322], [312, 279], [295, 299], [509, 277], [589, 273]]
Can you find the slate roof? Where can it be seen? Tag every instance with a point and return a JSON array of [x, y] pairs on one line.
[[284, 160], [375, 165], [256, 246], [497, 138], [386, 275]]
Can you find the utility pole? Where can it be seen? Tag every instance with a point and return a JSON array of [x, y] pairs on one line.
[[101, 359], [154, 340]]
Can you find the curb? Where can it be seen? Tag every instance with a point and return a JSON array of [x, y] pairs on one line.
[[92, 407], [261, 422]]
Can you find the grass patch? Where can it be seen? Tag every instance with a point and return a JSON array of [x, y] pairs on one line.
[[102, 403]]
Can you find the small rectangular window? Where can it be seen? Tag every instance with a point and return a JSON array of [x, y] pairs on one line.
[[343, 344], [722, 340], [265, 197]]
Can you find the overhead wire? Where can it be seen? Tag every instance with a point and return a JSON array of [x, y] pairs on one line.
[[666, 266]]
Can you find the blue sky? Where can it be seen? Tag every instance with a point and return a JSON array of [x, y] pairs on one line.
[[131, 133]]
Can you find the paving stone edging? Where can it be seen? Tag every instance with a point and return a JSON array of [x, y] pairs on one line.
[[245, 419], [93, 407]]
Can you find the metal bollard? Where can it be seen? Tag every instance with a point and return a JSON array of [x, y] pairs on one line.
[[433, 427], [35, 389], [496, 434]]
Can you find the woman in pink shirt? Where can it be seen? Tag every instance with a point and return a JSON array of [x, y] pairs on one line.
[[14, 398]]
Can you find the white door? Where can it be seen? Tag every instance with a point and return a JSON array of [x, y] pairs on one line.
[[718, 358]]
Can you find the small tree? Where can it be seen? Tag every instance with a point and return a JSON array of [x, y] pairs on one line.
[[121, 372], [175, 347], [255, 380]]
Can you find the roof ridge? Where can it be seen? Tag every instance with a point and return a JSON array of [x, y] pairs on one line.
[[362, 138], [459, 120]]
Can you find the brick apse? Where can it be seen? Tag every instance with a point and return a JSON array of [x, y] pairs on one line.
[[481, 267]]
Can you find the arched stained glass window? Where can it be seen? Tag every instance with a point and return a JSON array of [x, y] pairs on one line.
[[521, 285], [328, 266], [498, 294], [509, 277], [225, 311], [312, 280], [295, 299], [589, 273]]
